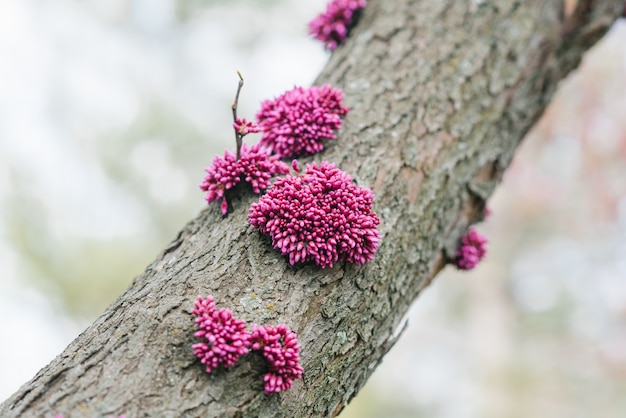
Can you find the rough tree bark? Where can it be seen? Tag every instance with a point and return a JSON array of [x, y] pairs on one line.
[[441, 93]]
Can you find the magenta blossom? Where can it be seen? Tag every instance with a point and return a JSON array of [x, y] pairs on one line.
[[472, 249], [225, 337], [331, 27], [281, 349], [244, 127], [319, 216], [255, 166], [297, 122]]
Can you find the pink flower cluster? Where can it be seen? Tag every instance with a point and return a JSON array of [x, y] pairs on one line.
[[472, 249], [244, 127], [255, 166], [226, 339], [281, 349], [297, 122], [331, 27], [319, 216]]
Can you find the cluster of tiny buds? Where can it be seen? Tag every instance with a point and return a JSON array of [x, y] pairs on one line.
[[332, 26], [281, 349], [255, 166], [225, 339], [293, 124], [297, 122], [320, 216], [473, 248]]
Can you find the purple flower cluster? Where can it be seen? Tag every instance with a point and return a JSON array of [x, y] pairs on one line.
[[281, 349], [331, 27], [319, 216], [255, 166], [225, 337], [244, 127], [297, 122], [472, 249]]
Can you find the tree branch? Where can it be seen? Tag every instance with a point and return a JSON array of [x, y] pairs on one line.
[[441, 94]]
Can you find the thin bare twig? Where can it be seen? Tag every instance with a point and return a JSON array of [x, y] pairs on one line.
[[238, 135]]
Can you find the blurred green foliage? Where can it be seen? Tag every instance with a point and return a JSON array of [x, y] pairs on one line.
[[87, 273]]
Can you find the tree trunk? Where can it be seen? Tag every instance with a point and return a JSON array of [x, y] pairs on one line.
[[441, 94]]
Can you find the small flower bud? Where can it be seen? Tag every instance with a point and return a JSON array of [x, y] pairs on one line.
[[473, 248]]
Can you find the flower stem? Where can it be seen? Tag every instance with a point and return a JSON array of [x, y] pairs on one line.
[[238, 135]]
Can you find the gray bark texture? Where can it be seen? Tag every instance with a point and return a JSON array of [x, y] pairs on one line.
[[441, 94]]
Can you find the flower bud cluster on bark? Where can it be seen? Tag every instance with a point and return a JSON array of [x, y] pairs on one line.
[[226, 338], [255, 166], [297, 122], [319, 216], [473, 248], [281, 349], [332, 26]]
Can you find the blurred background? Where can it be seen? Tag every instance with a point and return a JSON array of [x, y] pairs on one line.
[[110, 110]]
